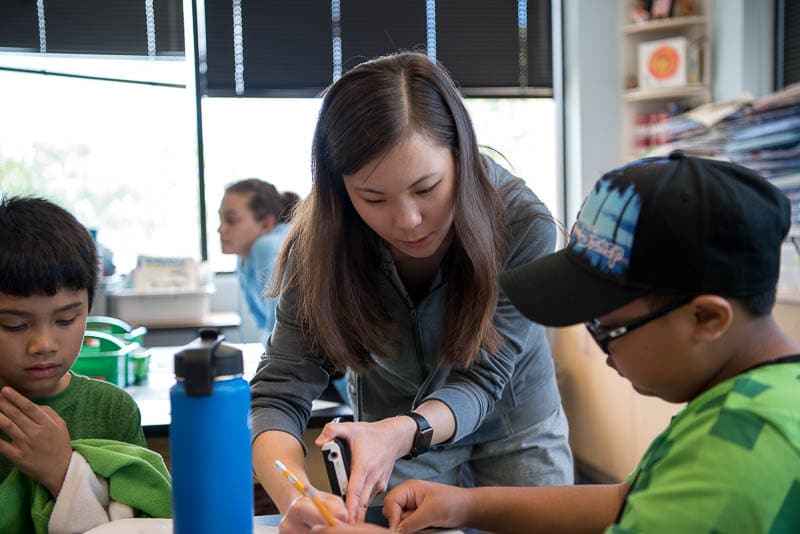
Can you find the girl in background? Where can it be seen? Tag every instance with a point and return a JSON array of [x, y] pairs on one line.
[[253, 225]]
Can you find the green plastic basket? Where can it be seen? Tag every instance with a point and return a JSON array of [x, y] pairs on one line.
[[138, 360], [106, 357], [141, 363], [117, 328]]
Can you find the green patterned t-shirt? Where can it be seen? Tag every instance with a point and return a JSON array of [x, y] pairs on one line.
[[729, 462], [92, 409]]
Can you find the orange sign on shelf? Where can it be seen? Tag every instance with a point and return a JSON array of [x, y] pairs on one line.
[[662, 63]]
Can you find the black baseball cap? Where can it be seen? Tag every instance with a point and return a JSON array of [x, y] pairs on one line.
[[668, 225]]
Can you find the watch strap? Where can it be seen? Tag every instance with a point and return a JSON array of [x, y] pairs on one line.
[[422, 438]]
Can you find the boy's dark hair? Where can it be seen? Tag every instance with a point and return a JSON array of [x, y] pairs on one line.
[[44, 249]]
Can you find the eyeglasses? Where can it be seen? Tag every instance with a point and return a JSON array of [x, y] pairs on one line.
[[603, 335]]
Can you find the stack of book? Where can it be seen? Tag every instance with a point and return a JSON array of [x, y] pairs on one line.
[[763, 135]]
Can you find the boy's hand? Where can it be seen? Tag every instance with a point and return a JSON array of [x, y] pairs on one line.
[[416, 504], [40, 444]]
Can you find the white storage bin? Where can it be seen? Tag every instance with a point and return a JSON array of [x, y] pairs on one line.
[[160, 306]]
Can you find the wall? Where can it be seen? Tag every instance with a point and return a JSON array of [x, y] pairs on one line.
[[744, 48], [591, 96], [611, 424]]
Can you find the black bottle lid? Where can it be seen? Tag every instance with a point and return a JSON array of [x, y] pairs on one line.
[[204, 360]]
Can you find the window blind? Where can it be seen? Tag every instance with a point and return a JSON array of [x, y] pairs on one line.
[[115, 27], [370, 29], [787, 44], [284, 47], [493, 45], [298, 47], [18, 29]]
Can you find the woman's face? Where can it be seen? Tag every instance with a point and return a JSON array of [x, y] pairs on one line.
[[238, 228], [407, 195]]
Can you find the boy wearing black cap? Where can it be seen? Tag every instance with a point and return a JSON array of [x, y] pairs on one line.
[[672, 265]]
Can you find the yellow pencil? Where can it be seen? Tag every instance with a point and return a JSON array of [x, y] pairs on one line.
[[308, 491]]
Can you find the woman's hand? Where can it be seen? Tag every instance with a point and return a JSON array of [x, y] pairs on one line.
[[40, 445], [374, 448], [416, 504], [303, 513]]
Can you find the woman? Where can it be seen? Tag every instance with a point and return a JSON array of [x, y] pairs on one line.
[[253, 224], [390, 272]]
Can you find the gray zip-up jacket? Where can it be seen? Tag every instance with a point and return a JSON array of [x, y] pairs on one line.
[[500, 395]]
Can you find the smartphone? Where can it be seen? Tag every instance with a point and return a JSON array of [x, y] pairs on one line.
[[336, 455]]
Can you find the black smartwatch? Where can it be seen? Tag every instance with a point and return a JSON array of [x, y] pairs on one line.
[[423, 437]]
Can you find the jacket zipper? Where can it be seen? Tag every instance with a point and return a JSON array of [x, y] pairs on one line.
[[414, 331], [359, 399], [417, 343]]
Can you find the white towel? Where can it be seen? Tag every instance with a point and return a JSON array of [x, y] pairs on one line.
[[83, 502]]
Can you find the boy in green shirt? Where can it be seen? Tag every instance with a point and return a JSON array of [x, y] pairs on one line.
[[48, 272], [672, 265]]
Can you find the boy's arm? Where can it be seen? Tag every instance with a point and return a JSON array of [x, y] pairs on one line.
[[584, 508], [40, 443], [415, 505]]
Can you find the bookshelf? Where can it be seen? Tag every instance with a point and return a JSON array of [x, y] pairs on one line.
[[642, 106]]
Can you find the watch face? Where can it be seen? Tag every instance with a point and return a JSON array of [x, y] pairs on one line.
[[425, 438]]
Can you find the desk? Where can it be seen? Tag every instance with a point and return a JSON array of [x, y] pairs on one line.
[[374, 516], [211, 320], [152, 395], [262, 524]]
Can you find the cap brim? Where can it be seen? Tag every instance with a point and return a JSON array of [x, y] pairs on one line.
[[556, 291]]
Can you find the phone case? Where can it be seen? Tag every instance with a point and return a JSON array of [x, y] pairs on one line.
[[336, 454]]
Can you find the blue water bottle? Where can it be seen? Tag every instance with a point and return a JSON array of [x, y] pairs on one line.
[[212, 480]]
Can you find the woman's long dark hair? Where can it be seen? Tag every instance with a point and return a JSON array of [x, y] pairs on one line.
[[335, 255]]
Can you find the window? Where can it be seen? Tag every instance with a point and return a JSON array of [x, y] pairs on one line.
[[121, 157], [524, 131], [271, 139], [267, 138]]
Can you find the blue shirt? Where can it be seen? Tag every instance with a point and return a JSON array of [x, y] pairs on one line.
[[254, 273]]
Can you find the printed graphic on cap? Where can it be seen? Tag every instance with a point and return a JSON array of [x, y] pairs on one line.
[[603, 233]]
